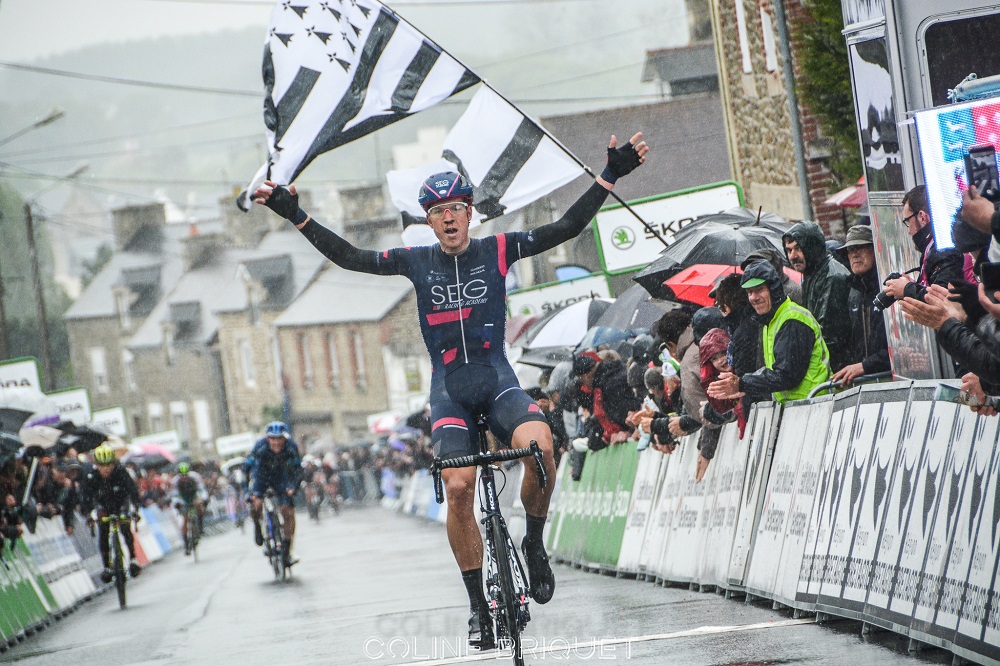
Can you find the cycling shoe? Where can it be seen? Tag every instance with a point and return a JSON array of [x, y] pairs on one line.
[[540, 577], [481, 631]]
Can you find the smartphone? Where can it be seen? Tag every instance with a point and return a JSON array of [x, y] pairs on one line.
[[981, 170], [990, 273]]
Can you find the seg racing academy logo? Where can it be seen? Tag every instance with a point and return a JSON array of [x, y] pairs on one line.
[[448, 296]]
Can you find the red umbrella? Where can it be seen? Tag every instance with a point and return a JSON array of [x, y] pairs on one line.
[[694, 282]]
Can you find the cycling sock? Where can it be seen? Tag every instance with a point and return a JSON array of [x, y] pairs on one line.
[[534, 527], [473, 579]]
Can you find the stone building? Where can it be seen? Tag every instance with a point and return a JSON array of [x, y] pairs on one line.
[[757, 115]]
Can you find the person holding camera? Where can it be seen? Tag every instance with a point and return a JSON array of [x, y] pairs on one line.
[[936, 266], [870, 346]]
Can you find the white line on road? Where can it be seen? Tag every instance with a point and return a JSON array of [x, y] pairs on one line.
[[596, 645]]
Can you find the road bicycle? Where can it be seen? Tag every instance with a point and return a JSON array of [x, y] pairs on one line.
[[118, 568], [273, 537], [314, 499], [193, 533], [506, 581]]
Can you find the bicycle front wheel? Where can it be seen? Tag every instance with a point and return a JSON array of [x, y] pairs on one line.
[[192, 534], [507, 626], [277, 556], [119, 557]]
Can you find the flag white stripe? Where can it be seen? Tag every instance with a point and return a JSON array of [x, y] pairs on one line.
[[445, 75], [392, 64]]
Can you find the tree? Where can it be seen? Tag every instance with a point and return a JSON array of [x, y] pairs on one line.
[[825, 85]]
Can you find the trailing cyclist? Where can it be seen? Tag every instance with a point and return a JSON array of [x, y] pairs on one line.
[[189, 491], [275, 464], [460, 285], [109, 490]]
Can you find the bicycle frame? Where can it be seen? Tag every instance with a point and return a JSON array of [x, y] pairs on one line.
[[117, 552], [274, 524]]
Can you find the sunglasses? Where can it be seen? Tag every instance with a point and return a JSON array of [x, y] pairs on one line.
[[437, 212]]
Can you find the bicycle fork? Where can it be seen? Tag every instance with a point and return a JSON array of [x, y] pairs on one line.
[[488, 505]]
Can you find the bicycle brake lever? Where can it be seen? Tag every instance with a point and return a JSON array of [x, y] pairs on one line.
[[536, 453]]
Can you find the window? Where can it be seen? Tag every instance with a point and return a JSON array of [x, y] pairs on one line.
[[770, 49], [246, 356], [128, 366], [154, 411], [278, 368], [741, 27], [360, 375], [305, 362], [122, 303], [411, 367], [168, 343], [99, 370], [179, 420], [332, 361], [203, 420]]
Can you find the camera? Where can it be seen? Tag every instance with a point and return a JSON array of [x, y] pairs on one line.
[[884, 300]]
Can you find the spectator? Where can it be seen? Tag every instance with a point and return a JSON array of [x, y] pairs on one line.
[[673, 330], [870, 346], [825, 287], [792, 288], [553, 415], [982, 215], [713, 354], [611, 398], [936, 267], [795, 354], [745, 351]]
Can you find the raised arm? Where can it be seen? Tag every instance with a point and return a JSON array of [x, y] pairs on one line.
[[621, 162], [285, 202]]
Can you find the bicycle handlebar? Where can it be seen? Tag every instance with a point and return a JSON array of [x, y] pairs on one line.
[[485, 459]]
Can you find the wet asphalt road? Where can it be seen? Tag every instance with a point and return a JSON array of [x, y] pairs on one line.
[[374, 587]]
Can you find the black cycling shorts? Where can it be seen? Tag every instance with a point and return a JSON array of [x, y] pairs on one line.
[[477, 389]]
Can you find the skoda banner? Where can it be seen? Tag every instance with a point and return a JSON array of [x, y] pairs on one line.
[[111, 420], [235, 444], [19, 373], [625, 244], [545, 298], [168, 439], [74, 405]]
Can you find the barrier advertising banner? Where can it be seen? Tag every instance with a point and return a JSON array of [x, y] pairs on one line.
[[656, 531], [111, 420], [647, 478], [827, 496], [762, 430], [725, 473], [684, 540]]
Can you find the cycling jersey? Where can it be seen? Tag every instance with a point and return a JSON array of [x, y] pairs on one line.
[[461, 301], [280, 471], [189, 487]]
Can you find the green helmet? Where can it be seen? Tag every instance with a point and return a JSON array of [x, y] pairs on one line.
[[104, 455], [183, 468]]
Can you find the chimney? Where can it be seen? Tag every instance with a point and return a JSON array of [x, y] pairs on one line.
[[139, 228], [246, 229], [200, 248]]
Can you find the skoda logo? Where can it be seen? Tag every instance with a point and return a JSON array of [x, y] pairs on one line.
[[623, 238], [526, 309]]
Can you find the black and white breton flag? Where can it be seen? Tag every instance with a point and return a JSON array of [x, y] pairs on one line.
[[336, 70], [504, 154]]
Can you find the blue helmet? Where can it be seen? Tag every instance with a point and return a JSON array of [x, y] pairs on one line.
[[443, 186], [276, 429]]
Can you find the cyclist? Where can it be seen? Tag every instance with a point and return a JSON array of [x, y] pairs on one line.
[[108, 489], [312, 483], [461, 302], [331, 481], [275, 464], [189, 490]]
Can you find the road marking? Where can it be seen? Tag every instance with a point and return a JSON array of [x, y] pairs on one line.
[[597, 644]]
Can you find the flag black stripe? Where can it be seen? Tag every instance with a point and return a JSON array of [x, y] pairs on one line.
[[332, 134], [468, 79], [498, 179], [267, 69], [413, 77], [293, 99]]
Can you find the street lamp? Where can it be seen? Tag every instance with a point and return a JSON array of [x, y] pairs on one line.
[[43, 324], [50, 117]]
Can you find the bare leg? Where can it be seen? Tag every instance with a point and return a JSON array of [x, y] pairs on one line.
[[463, 533], [535, 499]]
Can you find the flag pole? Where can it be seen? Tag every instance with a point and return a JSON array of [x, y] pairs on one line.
[[546, 132]]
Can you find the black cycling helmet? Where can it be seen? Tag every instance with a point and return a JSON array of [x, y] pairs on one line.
[[443, 186]]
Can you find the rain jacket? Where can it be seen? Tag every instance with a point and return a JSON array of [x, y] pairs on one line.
[[612, 399], [825, 287], [936, 266], [792, 288], [715, 341], [795, 356], [871, 347], [976, 350]]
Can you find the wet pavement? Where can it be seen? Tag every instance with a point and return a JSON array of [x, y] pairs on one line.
[[374, 587]]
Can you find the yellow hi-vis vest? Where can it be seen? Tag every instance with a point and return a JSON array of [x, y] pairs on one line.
[[819, 368]]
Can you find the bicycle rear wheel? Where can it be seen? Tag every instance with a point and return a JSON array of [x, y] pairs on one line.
[[119, 558], [277, 556], [507, 625], [192, 534]]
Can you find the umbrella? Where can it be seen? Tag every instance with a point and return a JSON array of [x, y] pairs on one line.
[[603, 335], [546, 357], [9, 446], [694, 283], [635, 310], [147, 460], [566, 326], [231, 463], [708, 243], [152, 449], [17, 405]]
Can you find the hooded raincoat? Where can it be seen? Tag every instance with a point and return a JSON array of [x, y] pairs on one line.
[[825, 289]]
